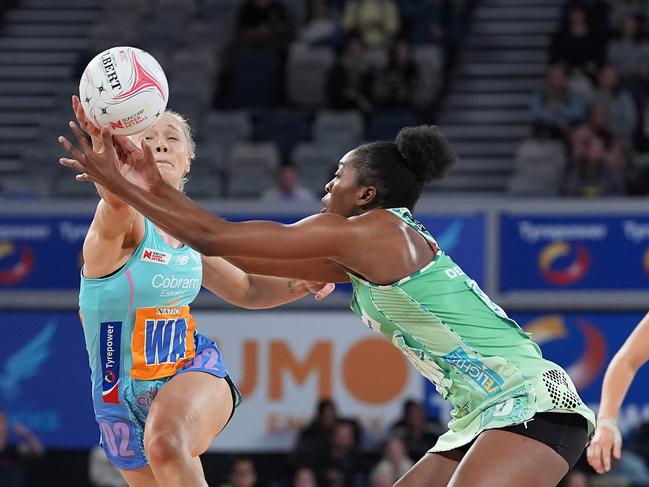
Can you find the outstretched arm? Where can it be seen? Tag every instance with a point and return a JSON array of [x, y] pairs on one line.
[[619, 375], [323, 270], [319, 236], [114, 221], [253, 291]]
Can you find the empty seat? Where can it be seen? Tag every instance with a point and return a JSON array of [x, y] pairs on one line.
[[202, 183], [192, 82], [226, 127], [158, 34], [188, 106], [386, 124], [174, 14], [285, 127], [221, 11], [307, 70], [196, 59], [317, 162], [343, 129], [538, 168], [212, 154], [251, 169], [255, 78], [66, 186]]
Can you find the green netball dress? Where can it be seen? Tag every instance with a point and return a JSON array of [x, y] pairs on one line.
[[478, 358]]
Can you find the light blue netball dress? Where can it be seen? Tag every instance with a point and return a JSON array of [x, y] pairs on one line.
[[139, 334]]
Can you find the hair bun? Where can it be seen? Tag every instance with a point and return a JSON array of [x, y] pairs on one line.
[[426, 151]]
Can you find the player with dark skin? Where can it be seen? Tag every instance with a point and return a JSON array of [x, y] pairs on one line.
[[355, 234]]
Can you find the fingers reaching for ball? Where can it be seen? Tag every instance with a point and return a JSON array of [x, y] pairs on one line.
[[89, 127], [100, 167]]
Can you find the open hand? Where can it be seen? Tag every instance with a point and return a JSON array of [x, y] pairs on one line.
[[120, 160], [605, 442]]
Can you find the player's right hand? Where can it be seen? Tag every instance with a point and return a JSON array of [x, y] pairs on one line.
[[604, 443]]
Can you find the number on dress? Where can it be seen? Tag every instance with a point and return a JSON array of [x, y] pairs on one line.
[[117, 431]]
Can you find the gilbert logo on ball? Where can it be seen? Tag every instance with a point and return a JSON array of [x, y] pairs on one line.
[[124, 88]]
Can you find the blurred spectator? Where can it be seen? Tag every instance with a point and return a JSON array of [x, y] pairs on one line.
[[422, 21], [539, 164], [347, 83], [242, 473], [623, 9], [322, 27], [417, 432], [575, 45], [597, 13], [622, 116], [641, 144], [395, 86], [394, 463], [629, 52], [581, 85], [316, 436], [381, 479], [304, 477], [376, 21], [263, 24], [288, 187], [13, 455], [557, 105], [593, 175], [342, 463], [101, 472], [597, 125]]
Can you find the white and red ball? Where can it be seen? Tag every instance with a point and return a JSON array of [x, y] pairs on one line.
[[125, 89]]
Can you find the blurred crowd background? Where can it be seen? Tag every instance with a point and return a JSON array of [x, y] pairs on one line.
[[283, 88], [540, 99]]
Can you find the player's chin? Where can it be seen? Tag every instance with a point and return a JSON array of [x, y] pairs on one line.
[[168, 175]]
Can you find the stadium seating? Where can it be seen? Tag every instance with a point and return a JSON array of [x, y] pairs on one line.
[[316, 162], [385, 125], [538, 168], [255, 76], [342, 129], [251, 168], [226, 127], [283, 126], [307, 70]]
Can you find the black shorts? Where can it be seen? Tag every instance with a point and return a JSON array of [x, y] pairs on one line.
[[565, 433]]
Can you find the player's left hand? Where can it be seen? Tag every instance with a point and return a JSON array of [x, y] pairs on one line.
[[102, 167], [118, 162], [604, 447], [320, 289]]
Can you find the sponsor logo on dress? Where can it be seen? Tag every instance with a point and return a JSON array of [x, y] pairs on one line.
[[110, 344], [156, 256], [182, 260], [487, 379]]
